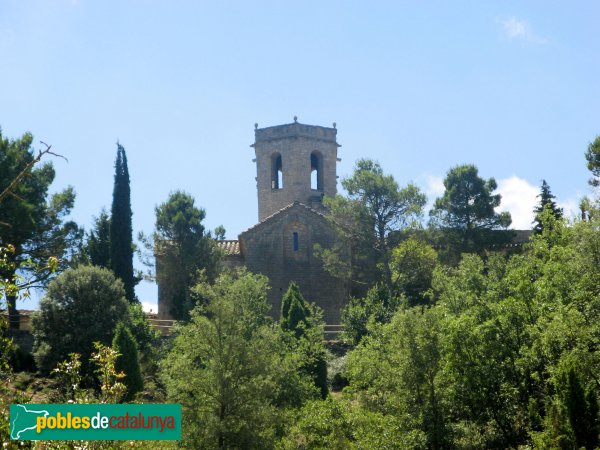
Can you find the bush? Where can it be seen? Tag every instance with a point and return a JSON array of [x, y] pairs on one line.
[[81, 306]]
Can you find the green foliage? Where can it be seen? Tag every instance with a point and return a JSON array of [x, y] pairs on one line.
[[146, 336], [31, 223], [220, 233], [305, 322], [68, 375], [231, 368], [546, 202], [291, 294], [8, 289], [337, 424], [128, 360], [97, 248], [81, 306], [375, 208], [112, 390], [572, 420], [293, 311], [397, 372], [296, 320], [466, 212], [184, 248], [388, 206], [592, 155], [412, 264], [507, 356], [121, 230], [363, 314], [320, 425], [351, 221]]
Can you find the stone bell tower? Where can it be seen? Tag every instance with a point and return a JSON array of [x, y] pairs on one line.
[[294, 162]]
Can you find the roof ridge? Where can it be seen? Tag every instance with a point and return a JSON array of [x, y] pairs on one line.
[[279, 211]]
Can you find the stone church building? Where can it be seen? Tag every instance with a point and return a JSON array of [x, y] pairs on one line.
[[296, 168]]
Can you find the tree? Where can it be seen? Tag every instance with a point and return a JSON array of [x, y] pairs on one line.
[[466, 212], [121, 231], [183, 249], [592, 155], [546, 201], [220, 233], [376, 208], [128, 360], [397, 372], [320, 425], [231, 369], [293, 309], [97, 248], [362, 313], [31, 224], [81, 306], [304, 322], [146, 336], [412, 264]]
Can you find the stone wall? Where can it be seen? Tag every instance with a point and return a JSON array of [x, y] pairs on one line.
[[268, 248]]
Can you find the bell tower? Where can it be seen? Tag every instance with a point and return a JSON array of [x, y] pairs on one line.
[[294, 162]]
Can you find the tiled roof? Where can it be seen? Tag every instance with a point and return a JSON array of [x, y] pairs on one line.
[[229, 247]]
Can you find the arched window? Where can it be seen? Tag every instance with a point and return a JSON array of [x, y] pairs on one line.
[[316, 171], [296, 242], [276, 172]]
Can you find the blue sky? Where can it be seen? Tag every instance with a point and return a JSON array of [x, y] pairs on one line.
[[509, 86]]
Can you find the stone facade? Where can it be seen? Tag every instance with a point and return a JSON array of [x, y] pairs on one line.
[[282, 248], [296, 168]]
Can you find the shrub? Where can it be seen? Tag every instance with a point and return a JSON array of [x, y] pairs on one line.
[[81, 306]]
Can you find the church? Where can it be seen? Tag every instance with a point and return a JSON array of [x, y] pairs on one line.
[[295, 168]]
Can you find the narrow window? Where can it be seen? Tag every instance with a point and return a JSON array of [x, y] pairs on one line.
[[313, 179], [316, 171], [280, 178], [296, 242], [276, 172]]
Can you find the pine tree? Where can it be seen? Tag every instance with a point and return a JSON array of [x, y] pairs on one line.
[[98, 241], [121, 241], [128, 361], [32, 222], [546, 201], [185, 249]]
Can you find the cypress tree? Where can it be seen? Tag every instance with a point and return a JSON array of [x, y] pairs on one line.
[[121, 241], [296, 320], [591, 438], [296, 317], [292, 295], [577, 407], [546, 201], [128, 361]]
